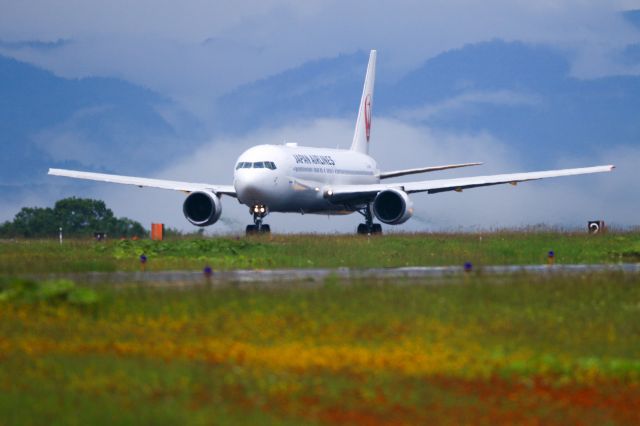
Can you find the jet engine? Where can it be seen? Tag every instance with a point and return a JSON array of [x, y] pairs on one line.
[[202, 208], [392, 206]]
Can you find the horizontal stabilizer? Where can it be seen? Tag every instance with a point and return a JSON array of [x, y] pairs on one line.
[[396, 173]]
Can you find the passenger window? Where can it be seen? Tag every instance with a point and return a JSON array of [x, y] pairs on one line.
[[258, 165]]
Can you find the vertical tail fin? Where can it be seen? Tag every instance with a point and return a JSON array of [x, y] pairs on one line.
[[363, 124]]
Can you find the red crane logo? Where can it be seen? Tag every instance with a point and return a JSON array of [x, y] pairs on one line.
[[367, 116]]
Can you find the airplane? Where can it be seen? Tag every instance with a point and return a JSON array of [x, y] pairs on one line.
[[296, 179]]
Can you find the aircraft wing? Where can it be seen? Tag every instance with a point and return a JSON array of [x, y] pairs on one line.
[[396, 173], [364, 193], [146, 182]]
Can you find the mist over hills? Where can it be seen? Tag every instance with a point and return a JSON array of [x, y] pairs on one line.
[[102, 123], [526, 96], [328, 87], [523, 94]]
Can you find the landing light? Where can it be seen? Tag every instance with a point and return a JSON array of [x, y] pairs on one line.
[[259, 208]]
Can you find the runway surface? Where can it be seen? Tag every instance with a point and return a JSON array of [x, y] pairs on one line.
[[319, 275]]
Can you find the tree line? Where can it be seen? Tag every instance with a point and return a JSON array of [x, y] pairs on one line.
[[78, 217]]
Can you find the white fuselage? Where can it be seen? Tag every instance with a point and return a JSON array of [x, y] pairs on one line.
[[294, 178]]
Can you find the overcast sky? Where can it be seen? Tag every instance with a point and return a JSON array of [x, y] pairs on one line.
[[196, 50]]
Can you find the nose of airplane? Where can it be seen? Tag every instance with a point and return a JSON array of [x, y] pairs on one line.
[[248, 187]]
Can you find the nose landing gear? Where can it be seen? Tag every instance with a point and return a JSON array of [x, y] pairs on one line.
[[259, 211]]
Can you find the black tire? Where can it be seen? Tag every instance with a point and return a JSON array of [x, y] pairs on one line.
[[362, 229], [266, 229], [376, 228], [252, 229]]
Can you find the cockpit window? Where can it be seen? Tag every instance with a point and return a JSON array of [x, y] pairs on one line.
[[257, 165]]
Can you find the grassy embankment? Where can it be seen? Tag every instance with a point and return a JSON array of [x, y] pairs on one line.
[[539, 350], [320, 251]]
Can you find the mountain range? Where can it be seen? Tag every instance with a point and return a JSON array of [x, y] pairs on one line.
[[102, 123]]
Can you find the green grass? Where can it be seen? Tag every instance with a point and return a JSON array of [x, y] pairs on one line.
[[105, 391], [508, 247], [476, 349], [467, 349]]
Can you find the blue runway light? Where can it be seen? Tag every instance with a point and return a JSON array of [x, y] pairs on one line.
[[468, 266], [208, 272], [143, 258]]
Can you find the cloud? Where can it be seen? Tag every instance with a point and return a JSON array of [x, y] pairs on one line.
[[36, 45], [195, 50], [467, 100], [66, 142]]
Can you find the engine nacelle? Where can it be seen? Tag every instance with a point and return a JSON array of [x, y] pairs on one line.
[[392, 207], [202, 208]]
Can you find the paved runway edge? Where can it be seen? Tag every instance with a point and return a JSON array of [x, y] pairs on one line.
[[320, 274]]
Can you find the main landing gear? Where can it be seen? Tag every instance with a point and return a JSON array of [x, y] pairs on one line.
[[259, 211], [368, 228]]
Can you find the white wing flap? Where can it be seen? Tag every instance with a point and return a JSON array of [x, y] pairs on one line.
[[396, 173], [345, 193], [145, 182]]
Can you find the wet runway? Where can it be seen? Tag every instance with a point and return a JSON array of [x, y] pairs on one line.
[[321, 274]]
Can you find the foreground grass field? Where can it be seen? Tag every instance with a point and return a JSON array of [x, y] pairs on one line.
[[481, 350], [27, 256]]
